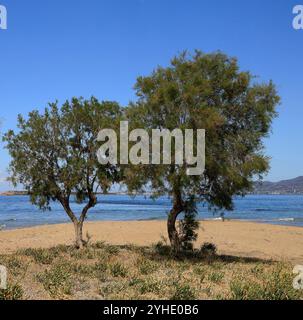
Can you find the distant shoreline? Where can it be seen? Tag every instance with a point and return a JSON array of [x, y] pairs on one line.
[[283, 187], [25, 193], [13, 193]]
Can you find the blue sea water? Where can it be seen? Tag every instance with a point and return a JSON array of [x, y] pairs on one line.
[[17, 211]]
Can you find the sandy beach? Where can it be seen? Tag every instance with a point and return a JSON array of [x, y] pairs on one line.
[[232, 238]]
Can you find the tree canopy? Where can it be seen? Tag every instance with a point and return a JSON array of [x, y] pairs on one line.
[[54, 155], [205, 91]]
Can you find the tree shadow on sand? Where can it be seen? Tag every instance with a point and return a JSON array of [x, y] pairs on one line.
[[161, 252]]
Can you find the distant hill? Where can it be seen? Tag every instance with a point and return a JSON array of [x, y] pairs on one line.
[[14, 193], [291, 186]]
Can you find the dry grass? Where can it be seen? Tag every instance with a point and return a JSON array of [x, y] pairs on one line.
[[104, 271]]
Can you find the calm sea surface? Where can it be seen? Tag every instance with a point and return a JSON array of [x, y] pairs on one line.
[[17, 212]]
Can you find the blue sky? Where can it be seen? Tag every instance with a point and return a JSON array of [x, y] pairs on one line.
[[58, 49]]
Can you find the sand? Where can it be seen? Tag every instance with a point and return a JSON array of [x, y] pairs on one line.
[[236, 238]]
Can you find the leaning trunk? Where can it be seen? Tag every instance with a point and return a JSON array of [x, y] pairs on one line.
[[79, 234], [173, 233], [172, 230]]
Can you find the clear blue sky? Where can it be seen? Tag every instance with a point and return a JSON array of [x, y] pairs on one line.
[[58, 49]]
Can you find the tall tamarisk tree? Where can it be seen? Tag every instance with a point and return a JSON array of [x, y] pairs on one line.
[[54, 156], [204, 91]]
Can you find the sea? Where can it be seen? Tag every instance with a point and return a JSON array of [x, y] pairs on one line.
[[18, 212]]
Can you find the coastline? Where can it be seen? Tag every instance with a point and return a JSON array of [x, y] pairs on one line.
[[278, 222], [237, 238]]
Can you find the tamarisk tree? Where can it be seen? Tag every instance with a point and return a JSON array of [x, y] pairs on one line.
[[54, 156], [204, 91]]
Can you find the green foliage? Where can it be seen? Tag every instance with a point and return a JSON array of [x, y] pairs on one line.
[[58, 280], [201, 272], [258, 271], [204, 91], [100, 269], [183, 292], [188, 225], [146, 266], [82, 270], [208, 250], [216, 277], [43, 256], [115, 288], [143, 273], [274, 286], [99, 244], [54, 154], [150, 286], [118, 270], [13, 292], [162, 249], [16, 266], [85, 253], [111, 250], [208, 91]]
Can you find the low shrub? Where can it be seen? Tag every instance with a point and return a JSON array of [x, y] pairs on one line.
[[183, 292], [118, 270], [13, 292], [57, 281]]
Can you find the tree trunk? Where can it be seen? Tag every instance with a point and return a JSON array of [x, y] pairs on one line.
[[79, 234], [78, 224], [172, 231]]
